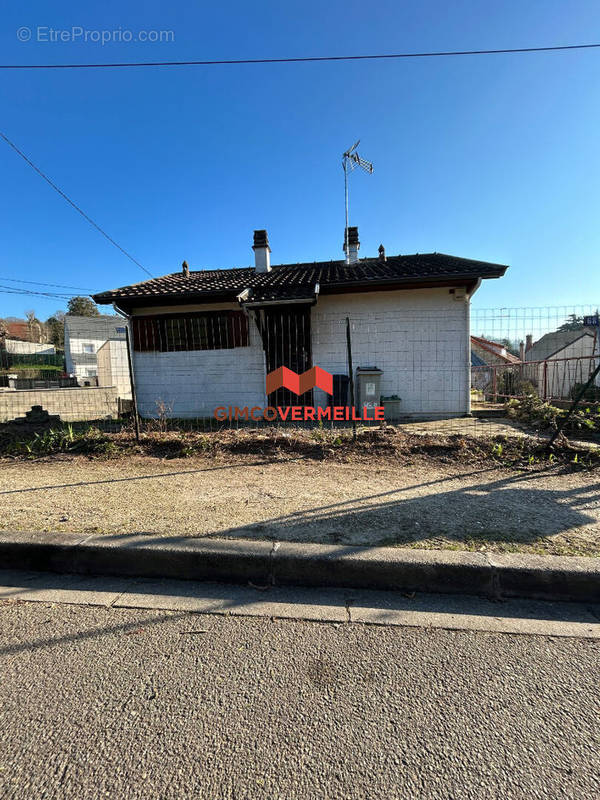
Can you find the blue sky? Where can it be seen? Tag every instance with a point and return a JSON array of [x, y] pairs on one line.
[[494, 158]]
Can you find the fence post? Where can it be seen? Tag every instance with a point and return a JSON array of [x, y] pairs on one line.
[[495, 384], [545, 380], [136, 419], [351, 375]]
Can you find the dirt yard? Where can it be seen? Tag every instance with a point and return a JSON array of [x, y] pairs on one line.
[[375, 501]]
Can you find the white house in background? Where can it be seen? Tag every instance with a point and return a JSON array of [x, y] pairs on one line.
[[208, 338], [562, 359], [96, 352], [17, 347]]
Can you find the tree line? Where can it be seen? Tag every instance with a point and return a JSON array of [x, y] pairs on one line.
[[53, 329]]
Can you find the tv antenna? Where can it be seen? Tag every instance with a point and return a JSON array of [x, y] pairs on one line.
[[350, 161]]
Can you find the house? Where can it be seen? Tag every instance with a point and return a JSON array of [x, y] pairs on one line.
[[561, 359], [485, 355], [96, 352], [23, 330], [491, 353], [208, 338]]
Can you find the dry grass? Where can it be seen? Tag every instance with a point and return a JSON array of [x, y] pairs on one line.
[[385, 444], [387, 488]]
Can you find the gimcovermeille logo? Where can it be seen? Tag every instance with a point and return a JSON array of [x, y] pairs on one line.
[[285, 378]]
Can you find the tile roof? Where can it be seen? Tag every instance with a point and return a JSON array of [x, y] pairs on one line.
[[17, 330], [287, 281], [497, 348]]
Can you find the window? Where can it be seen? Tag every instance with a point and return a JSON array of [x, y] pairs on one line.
[[88, 348], [210, 330]]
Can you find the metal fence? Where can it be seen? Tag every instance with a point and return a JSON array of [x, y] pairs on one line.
[[437, 367]]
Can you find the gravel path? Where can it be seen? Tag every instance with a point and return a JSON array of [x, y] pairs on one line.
[[303, 500], [152, 704]]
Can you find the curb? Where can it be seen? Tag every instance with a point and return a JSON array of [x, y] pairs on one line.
[[295, 564]]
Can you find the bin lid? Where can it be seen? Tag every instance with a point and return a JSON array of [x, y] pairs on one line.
[[371, 370]]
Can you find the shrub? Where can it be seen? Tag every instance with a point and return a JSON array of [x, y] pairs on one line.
[[534, 411], [63, 439]]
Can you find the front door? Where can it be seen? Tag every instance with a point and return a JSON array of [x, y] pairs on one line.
[[286, 339]]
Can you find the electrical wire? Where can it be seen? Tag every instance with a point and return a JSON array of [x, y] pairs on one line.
[[306, 59], [39, 283], [71, 203], [28, 293]]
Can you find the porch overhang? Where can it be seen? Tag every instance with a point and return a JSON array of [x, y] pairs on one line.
[[250, 299]]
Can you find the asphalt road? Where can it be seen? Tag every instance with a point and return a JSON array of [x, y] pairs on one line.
[[118, 703]]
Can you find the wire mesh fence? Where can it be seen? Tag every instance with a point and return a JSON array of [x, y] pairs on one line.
[[428, 366]]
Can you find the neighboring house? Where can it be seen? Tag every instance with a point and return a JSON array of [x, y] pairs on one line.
[[485, 354], [23, 330], [208, 338], [17, 347], [492, 353], [562, 359], [96, 352]]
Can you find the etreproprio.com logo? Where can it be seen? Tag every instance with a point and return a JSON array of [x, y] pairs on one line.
[[45, 34]]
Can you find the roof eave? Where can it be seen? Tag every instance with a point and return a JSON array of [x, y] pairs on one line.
[[409, 282]]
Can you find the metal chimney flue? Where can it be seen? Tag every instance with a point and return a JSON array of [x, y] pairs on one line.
[[262, 252], [351, 245]]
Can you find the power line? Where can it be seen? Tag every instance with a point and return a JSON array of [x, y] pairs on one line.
[[71, 203], [39, 283], [27, 293], [305, 59]]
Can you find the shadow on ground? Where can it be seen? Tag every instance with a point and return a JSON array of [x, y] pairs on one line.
[[497, 513]]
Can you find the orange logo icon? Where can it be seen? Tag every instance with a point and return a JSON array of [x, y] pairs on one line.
[[315, 377]]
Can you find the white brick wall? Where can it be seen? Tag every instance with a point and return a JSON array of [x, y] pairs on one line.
[[419, 338], [195, 382]]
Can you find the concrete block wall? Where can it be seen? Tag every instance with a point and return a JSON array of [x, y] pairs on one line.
[[72, 405], [113, 367], [17, 347], [193, 383], [419, 338]]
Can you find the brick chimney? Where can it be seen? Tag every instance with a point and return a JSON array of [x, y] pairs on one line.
[[353, 246], [262, 252], [185, 269], [528, 342]]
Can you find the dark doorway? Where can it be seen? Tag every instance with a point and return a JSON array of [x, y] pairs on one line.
[[285, 332]]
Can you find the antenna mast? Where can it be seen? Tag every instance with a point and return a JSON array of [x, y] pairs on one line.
[[350, 161]]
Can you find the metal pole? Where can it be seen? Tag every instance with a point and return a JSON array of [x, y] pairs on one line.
[[136, 419], [345, 162], [351, 376]]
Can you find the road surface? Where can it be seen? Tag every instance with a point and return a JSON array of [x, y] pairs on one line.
[[151, 703]]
